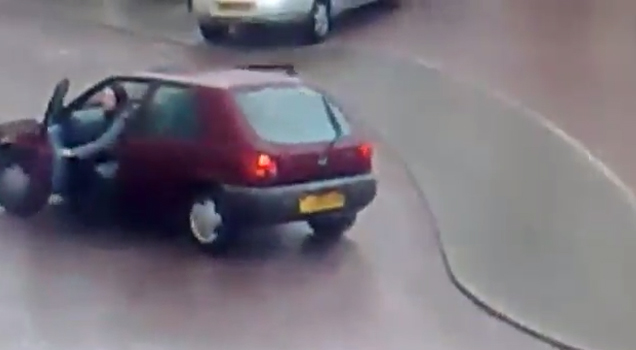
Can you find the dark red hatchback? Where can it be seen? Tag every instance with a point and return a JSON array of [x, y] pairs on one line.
[[253, 145]]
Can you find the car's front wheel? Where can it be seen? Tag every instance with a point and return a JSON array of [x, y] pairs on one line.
[[332, 226], [213, 32], [205, 225]]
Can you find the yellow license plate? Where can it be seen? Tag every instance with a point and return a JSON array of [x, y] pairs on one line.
[[316, 203], [235, 6]]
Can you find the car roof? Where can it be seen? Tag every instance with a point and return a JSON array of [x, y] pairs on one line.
[[219, 78]]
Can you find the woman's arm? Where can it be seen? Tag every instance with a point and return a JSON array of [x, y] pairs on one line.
[[108, 139]]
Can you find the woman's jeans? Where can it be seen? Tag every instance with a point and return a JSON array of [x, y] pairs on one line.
[[60, 164]]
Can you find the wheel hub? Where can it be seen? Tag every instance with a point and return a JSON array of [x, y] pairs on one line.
[[205, 221]]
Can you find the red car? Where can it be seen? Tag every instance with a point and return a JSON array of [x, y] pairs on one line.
[[214, 150]]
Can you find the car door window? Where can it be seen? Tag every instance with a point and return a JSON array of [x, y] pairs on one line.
[[88, 108], [171, 113], [135, 89], [86, 118]]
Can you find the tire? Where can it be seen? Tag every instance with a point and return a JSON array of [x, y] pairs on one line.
[[204, 225], [213, 32], [19, 195], [332, 226], [319, 23]]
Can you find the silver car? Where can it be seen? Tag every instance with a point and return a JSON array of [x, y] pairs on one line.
[[313, 18]]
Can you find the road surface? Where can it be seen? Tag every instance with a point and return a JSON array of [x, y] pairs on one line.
[[65, 288]]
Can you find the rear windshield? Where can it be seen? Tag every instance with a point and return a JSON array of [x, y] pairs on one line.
[[290, 114]]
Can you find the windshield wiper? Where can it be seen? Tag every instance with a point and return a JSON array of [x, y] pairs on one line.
[[337, 127]]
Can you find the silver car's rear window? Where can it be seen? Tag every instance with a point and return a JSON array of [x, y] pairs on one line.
[[290, 114]]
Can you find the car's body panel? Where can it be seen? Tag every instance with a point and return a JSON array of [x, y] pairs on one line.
[[160, 170], [255, 11], [221, 78], [224, 142], [10, 130], [156, 171], [280, 204], [265, 11]]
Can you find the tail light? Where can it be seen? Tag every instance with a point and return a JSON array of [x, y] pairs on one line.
[[365, 151], [264, 166]]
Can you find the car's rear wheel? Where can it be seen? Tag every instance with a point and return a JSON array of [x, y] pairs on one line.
[[332, 226], [319, 23], [213, 32], [205, 225]]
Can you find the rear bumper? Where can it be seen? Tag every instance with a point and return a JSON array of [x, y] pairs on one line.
[[262, 12], [281, 204], [292, 12], [268, 19]]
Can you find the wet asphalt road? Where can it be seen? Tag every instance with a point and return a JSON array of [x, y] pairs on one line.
[[66, 288]]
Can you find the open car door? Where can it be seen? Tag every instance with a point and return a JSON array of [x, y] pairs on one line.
[[26, 160]]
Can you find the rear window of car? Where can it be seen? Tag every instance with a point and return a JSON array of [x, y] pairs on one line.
[[290, 114]]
